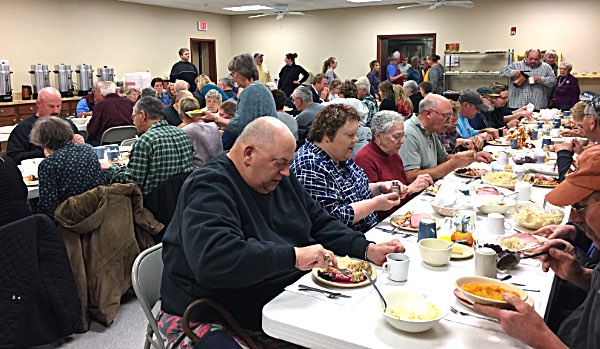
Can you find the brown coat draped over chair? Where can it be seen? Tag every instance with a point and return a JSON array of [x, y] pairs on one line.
[[104, 230]]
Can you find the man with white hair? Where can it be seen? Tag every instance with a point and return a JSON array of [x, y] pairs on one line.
[[363, 86], [302, 99], [19, 147], [171, 113], [85, 106], [393, 73], [112, 111]]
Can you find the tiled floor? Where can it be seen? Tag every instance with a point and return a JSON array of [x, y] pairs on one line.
[[126, 332]]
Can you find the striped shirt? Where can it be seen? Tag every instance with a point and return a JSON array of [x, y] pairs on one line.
[[160, 153], [334, 185]]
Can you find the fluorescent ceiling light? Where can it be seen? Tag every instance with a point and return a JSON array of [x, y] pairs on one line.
[[247, 8], [363, 1]]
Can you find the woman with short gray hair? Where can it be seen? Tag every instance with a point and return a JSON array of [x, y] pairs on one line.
[[380, 160], [69, 169], [255, 100], [566, 91], [412, 90]]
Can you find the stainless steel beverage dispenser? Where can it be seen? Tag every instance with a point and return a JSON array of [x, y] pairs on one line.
[[40, 78], [106, 74], [5, 86], [64, 79], [85, 80]]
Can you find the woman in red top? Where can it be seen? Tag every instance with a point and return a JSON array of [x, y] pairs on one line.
[[380, 160], [403, 102]]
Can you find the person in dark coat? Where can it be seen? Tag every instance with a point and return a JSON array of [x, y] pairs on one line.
[[289, 76]]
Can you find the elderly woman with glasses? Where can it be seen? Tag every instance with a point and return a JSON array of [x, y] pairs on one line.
[[566, 91], [255, 100], [380, 160], [325, 167], [69, 169]]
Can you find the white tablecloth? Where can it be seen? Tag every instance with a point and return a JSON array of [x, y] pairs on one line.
[[318, 322]]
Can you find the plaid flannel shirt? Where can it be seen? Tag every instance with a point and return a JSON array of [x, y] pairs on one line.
[[160, 153], [334, 186], [537, 94], [371, 104]]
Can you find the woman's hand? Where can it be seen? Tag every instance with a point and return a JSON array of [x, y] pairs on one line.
[[421, 182], [384, 202]]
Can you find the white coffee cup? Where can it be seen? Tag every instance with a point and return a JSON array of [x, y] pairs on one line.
[[396, 266], [485, 262], [496, 224], [531, 80], [555, 132], [503, 158], [523, 190]]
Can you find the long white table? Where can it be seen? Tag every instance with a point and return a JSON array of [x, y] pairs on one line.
[[314, 321]]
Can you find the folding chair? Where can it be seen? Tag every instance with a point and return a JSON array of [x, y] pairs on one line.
[[118, 134], [146, 277], [128, 142]]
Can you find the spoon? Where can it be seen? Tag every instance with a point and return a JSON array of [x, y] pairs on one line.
[[366, 273], [510, 260]]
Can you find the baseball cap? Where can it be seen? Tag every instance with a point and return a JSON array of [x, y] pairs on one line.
[[581, 183], [473, 97], [396, 55], [486, 91], [258, 54]]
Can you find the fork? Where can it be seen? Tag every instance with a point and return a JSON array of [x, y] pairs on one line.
[[462, 313]]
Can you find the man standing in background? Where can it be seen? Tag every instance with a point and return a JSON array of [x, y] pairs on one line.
[[184, 70], [264, 75]]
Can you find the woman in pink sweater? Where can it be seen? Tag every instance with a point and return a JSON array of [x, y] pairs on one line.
[[380, 160]]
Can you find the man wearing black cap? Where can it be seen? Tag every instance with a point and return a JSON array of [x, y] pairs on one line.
[[264, 75], [581, 329], [471, 103]]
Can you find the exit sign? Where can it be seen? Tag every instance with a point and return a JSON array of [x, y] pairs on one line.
[[202, 26]]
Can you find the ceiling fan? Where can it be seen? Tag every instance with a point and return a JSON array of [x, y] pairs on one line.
[[279, 10], [433, 4]]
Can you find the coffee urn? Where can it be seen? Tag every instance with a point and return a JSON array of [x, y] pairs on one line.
[[106, 74], [5, 86], [64, 79], [40, 78], [85, 80]]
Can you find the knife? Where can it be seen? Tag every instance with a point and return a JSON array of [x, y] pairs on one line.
[[328, 293]]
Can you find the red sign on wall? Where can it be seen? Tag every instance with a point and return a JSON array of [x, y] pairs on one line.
[[202, 26]]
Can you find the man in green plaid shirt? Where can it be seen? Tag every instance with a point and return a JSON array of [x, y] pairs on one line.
[[161, 152]]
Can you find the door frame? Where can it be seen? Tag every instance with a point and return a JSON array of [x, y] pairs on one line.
[[212, 55], [383, 58]]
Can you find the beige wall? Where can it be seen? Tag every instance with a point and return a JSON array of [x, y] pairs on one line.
[[126, 37], [350, 34]]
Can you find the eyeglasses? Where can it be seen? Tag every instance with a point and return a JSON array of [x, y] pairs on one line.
[[445, 116], [397, 137], [580, 210], [134, 115]]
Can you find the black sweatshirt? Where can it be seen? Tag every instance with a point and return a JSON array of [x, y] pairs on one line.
[[289, 74], [231, 244]]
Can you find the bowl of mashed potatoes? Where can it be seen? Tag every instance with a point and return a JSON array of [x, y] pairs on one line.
[[410, 311]]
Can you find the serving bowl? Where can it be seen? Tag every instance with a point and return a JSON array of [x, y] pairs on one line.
[[532, 216], [411, 299], [446, 211], [495, 204], [435, 252], [460, 282]]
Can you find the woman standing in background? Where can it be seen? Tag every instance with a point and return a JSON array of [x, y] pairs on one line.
[[289, 76], [328, 69]]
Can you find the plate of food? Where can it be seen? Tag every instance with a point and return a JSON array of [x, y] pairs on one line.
[[460, 251], [195, 113], [410, 221], [31, 181], [348, 274], [487, 291], [467, 303], [518, 241], [501, 143], [532, 216], [469, 172], [539, 180], [501, 179], [433, 189]]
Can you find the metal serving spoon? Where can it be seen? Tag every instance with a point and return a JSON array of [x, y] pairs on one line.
[[510, 260], [366, 273]]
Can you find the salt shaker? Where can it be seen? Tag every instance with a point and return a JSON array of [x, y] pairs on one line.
[[485, 262]]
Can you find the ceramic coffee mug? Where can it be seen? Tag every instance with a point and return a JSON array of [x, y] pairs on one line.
[[496, 224], [396, 266], [485, 262]]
